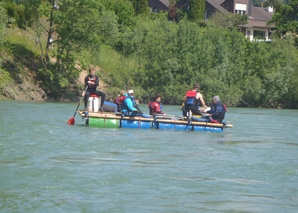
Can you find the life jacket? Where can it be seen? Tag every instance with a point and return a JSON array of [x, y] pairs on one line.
[[150, 107], [191, 98], [119, 100], [92, 80]]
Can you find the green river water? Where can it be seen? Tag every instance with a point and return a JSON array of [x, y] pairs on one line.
[[49, 166]]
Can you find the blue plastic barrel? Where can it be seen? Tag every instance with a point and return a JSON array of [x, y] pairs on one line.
[[208, 129], [135, 124], [174, 126]]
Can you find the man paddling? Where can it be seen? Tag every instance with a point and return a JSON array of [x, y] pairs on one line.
[[91, 81]]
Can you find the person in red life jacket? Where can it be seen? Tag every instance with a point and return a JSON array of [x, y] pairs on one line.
[[92, 82], [155, 106], [218, 110], [119, 100], [193, 99]]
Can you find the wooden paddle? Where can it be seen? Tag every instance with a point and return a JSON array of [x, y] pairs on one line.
[[72, 120]]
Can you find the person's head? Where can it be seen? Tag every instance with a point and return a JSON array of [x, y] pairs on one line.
[[122, 93], [196, 87], [91, 71], [130, 93], [216, 99], [157, 97]]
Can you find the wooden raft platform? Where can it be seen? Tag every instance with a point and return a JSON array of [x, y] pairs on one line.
[[163, 119]]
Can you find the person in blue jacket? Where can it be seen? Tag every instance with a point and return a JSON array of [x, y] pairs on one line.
[[130, 106], [218, 110]]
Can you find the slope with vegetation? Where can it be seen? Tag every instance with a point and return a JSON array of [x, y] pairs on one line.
[[145, 52]]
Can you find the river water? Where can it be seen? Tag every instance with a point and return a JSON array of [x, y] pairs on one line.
[[49, 166]]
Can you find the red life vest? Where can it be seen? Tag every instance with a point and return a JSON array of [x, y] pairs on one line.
[[156, 109], [94, 80]]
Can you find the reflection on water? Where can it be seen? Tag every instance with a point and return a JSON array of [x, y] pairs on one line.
[[48, 166]]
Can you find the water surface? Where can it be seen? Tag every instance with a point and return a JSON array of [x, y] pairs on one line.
[[48, 166]]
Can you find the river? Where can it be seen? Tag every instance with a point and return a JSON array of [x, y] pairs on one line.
[[49, 166]]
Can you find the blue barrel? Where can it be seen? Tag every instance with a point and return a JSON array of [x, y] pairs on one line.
[[174, 126], [135, 124], [208, 128]]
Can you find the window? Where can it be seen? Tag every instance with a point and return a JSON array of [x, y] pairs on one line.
[[258, 34], [240, 9]]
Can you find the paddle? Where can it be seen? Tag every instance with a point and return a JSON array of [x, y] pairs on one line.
[[72, 120]]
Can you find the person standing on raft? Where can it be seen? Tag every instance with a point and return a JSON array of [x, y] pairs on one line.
[[91, 81], [193, 99]]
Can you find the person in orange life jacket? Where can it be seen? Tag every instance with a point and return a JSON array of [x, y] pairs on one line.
[[130, 106], [218, 110], [155, 106], [119, 99], [92, 82], [193, 99]]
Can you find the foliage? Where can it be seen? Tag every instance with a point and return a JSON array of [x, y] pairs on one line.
[[286, 19], [196, 10], [3, 24], [140, 6], [152, 55], [228, 21], [257, 3]]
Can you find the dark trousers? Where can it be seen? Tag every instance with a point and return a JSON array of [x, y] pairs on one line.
[[95, 92], [194, 109]]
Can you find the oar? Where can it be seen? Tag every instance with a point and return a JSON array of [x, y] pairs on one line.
[[72, 120]]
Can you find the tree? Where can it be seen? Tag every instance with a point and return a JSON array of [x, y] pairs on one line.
[[286, 19], [196, 10], [72, 26], [140, 6], [3, 24]]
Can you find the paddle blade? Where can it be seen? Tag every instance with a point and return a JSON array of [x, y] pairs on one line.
[[71, 121]]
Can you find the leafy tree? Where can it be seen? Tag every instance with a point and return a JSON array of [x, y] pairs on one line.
[[3, 23], [257, 3], [73, 26], [196, 10], [140, 6], [286, 19], [229, 21]]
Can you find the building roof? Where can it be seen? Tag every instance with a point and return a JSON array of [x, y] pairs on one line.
[[165, 2], [256, 23], [217, 5], [260, 13]]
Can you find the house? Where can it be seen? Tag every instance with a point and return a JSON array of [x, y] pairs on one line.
[[256, 28]]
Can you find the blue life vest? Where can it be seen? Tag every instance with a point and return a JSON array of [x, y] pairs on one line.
[[190, 95]]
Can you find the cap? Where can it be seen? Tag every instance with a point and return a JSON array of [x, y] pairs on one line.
[[130, 91], [216, 98]]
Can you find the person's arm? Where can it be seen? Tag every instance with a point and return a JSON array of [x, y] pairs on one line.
[[96, 82], [157, 108], [184, 98], [86, 84], [200, 97], [86, 81]]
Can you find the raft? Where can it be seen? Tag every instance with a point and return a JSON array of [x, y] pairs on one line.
[[114, 120]]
